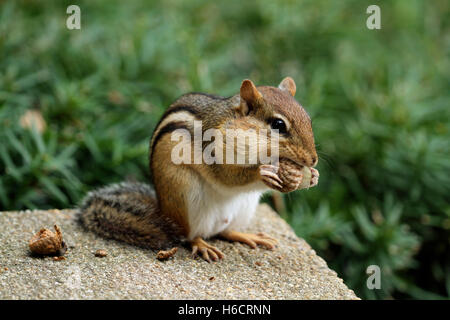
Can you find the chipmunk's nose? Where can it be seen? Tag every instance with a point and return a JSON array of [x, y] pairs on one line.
[[311, 162]]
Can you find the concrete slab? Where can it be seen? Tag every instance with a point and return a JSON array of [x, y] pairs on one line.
[[292, 271]]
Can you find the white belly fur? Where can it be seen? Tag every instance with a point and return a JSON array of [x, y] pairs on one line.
[[213, 209]]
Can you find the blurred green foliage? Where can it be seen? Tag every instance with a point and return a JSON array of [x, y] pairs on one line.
[[379, 101]]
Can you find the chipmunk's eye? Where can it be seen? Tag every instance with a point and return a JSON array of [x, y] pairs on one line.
[[278, 124]]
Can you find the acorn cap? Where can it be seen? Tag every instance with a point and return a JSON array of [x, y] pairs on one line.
[[47, 242]]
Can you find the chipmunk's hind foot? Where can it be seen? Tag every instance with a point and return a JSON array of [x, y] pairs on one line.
[[253, 240], [206, 251]]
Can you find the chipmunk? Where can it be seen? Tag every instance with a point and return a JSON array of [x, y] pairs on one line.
[[196, 201]]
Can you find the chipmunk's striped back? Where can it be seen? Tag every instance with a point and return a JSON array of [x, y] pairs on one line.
[[189, 107]]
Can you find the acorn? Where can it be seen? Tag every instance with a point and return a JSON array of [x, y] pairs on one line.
[[306, 180], [47, 242]]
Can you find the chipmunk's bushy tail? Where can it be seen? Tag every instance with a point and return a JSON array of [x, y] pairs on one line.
[[129, 212]]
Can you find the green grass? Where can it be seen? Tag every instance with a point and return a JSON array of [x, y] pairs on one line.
[[379, 101]]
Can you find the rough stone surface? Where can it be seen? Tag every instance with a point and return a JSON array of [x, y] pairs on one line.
[[291, 271]]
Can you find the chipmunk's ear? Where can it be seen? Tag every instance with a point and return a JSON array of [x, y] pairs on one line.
[[288, 85], [250, 97]]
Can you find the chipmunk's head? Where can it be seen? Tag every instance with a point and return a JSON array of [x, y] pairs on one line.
[[277, 109]]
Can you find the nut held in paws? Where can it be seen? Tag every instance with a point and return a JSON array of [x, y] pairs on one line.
[[295, 176], [306, 178]]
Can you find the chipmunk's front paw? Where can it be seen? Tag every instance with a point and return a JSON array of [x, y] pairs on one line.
[[288, 176], [269, 175], [296, 177], [205, 250], [285, 178], [292, 175], [314, 177]]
